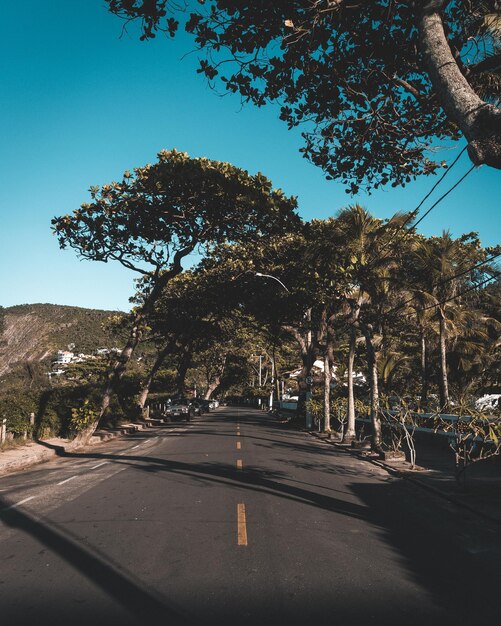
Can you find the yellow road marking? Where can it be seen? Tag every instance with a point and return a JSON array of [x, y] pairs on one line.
[[239, 445], [239, 464], [238, 433], [241, 525]]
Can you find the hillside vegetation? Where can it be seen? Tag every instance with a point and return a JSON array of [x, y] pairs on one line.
[[34, 332]]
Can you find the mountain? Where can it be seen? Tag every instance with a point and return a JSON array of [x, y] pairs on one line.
[[34, 332]]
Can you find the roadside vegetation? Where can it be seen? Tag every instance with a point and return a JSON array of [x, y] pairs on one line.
[[361, 315], [352, 315]]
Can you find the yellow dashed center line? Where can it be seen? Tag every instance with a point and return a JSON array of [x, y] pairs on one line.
[[239, 464], [241, 525], [239, 445]]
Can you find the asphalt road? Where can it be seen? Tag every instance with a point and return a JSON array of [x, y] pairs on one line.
[[233, 520]]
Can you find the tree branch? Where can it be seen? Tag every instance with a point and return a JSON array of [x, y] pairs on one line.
[[479, 122]]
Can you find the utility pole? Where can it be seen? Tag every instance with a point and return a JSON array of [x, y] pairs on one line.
[[272, 382], [309, 420], [260, 357]]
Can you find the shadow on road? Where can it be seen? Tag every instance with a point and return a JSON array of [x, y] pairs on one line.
[[144, 605], [459, 582]]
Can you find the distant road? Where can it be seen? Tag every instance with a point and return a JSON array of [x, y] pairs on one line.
[[231, 519]]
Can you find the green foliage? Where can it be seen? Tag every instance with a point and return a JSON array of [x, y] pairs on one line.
[[16, 408], [164, 382], [82, 416], [159, 213], [62, 410], [353, 75]]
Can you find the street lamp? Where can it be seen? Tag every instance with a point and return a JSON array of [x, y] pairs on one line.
[[309, 420], [274, 278]]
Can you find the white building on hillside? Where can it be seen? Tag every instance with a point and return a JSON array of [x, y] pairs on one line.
[[63, 357]]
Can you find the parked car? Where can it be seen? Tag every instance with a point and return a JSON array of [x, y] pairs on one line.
[[180, 407], [207, 405], [198, 406]]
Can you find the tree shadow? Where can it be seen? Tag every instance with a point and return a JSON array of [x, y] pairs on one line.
[[458, 565], [252, 479], [143, 604]]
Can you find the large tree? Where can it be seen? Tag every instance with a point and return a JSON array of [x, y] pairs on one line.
[[374, 83], [289, 307], [160, 213]]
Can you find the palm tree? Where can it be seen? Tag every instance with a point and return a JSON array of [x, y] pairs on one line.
[[444, 261], [371, 256]]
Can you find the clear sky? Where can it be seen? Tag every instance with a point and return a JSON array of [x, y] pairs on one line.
[[79, 105]]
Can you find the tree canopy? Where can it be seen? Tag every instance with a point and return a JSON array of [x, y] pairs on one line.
[[159, 213], [374, 84]]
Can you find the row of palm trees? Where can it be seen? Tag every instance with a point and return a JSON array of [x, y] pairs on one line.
[[355, 280]]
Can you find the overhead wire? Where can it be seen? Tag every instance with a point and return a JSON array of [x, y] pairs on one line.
[[444, 196], [472, 288], [447, 280], [414, 213]]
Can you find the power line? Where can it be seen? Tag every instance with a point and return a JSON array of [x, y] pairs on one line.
[[444, 195], [431, 306], [439, 180], [414, 213], [448, 280]]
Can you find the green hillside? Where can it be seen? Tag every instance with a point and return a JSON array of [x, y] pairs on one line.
[[34, 332]]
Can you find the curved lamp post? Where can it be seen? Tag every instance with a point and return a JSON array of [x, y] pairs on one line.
[[274, 278], [309, 421]]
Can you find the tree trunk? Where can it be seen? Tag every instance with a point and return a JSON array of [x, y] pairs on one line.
[[214, 384], [309, 351], [182, 370], [114, 377], [479, 121], [215, 381], [373, 377], [159, 281], [424, 370], [350, 433], [145, 389], [327, 392], [304, 387], [444, 383]]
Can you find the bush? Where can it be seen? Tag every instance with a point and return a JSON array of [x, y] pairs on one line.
[[82, 417], [16, 407]]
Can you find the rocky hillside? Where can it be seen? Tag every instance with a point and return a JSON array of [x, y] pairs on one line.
[[36, 331]]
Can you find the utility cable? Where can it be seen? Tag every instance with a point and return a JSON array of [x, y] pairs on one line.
[[447, 280], [472, 288], [444, 196], [416, 210], [414, 213]]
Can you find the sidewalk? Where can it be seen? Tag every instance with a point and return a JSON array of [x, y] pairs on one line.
[[33, 452], [479, 491]]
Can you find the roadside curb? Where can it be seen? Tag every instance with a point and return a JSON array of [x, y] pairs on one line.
[[34, 453], [406, 474]]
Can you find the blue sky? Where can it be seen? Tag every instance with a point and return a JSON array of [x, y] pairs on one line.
[[80, 104]]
